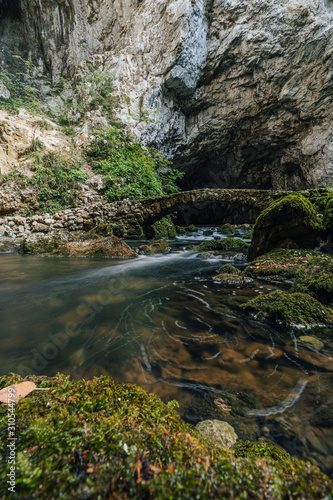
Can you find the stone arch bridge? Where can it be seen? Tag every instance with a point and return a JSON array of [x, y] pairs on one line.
[[133, 218]]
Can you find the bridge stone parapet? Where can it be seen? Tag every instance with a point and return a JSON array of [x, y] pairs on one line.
[[134, 218]]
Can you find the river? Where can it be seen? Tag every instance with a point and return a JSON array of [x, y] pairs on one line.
[[162, 323]]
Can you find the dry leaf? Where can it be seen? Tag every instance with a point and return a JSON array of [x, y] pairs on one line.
[[13, 393]]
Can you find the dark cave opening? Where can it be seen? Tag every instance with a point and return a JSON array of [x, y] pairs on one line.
[[10, 8]]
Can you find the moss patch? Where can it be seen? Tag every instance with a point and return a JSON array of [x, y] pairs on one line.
[[309, 272], [164, 228], [97, 439], [289, 309], [225, 244], [227, 229], [228, 268]]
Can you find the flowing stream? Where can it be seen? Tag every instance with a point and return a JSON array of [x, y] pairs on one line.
[[162, 323]]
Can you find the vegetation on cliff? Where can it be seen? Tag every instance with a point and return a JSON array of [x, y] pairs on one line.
[[96, 439]]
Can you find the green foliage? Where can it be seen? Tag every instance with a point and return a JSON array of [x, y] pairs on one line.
[[24, 87], [130, 170], [289, 309], [97, 439], [88, 93], [56, 181]]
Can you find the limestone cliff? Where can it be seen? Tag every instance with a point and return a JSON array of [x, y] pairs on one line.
[[237, 93]]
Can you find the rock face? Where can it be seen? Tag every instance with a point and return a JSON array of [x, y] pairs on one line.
[[239, 94]]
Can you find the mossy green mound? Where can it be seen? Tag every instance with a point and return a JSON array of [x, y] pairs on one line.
[[225, 244], [309, 272], [164, 228], [228, 268], [97, 439], [227, 229], [289, 309], [291, 222]]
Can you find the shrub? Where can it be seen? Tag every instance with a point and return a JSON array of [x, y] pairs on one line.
[[130, 169]]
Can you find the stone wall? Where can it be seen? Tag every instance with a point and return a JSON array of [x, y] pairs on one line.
[[133, 218]]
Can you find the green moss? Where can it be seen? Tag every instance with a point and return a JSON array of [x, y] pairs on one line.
[[180, 230], [226, 229], [289, 309], [225, 244], [208, 232], [228, 268], [164, 228], [191, 228], [97, 439], [309, 272], [290, 222]]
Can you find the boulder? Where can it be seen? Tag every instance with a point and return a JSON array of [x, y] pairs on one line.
[[291, 222], [289, 309], [218, 433], [111, 247]]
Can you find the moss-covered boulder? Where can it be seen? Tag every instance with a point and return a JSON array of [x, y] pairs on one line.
[[158, 246], [306, 271], [291, 222], [224, 244], [228, 268], [227, 229], [289, 309], [96, 439], [164, 228], [111, 247], [191, 228]]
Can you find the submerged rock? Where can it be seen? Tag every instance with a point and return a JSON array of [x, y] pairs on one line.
[[291, 222], [311, 342], [218, 433], [289, 309], [232, 279]]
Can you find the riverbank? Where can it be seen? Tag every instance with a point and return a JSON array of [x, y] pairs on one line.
[[99, 439]]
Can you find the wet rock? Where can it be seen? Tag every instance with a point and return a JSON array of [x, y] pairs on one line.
[[217, 433], [154, 247], [102, 247], [232, 279]]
